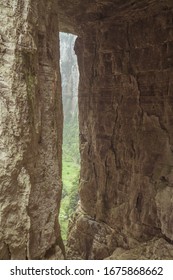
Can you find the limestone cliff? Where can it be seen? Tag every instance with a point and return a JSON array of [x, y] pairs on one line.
[[70, 81], [30, 130], [69, 76], [125, 105]]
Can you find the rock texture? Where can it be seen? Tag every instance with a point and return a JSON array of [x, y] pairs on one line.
[[125, 56], [155, 249], [30, 130], [125, 114]]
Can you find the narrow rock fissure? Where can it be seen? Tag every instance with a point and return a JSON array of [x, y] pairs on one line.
[[71, 157], [125, 59]]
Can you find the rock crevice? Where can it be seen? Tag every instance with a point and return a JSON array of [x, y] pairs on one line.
[[125, 59]]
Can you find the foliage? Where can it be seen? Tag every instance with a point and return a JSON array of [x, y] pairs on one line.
[[71, 140], [70, 173], [70, 194], [71, 158]]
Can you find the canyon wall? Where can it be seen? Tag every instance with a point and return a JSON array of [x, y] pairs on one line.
[[126, 140], [30, 130]]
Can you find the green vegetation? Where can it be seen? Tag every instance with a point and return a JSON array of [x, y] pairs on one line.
[[71, 141], [71, 158], [70, 175]]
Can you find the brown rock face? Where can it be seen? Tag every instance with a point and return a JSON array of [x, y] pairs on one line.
[[125, 104], [30, 131]]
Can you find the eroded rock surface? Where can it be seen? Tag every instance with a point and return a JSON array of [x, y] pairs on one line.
[[30, 130], [156, 249], [125, 105]]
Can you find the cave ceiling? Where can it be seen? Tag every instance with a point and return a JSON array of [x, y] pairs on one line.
[[75, 14]]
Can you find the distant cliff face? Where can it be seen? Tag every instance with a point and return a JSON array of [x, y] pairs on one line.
[[69, 76], [69, 81]]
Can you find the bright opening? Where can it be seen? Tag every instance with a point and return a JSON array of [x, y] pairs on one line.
[[71, 157]]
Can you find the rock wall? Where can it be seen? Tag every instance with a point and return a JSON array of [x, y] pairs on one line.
[[30, 130], [125, 115]]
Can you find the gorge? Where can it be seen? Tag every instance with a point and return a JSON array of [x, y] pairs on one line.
[[125, 58]]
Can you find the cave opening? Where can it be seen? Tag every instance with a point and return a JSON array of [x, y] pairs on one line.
[[71, 156]]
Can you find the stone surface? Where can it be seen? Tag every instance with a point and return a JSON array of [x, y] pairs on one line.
[[125, 105], [156, 249], [74, 15], [30, 130]]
